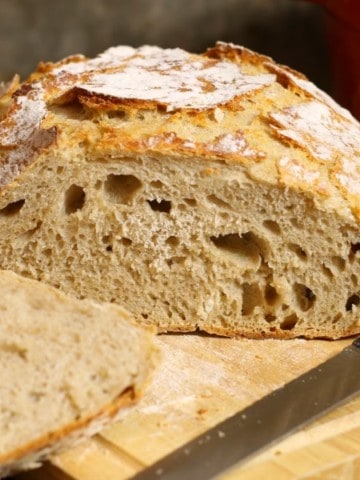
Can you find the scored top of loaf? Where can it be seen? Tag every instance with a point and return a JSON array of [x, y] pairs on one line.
[[229, 104]]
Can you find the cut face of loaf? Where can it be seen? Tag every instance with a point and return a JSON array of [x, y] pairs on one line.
[[66, 366], [215, 192]]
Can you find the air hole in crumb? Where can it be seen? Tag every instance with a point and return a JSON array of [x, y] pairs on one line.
[[121, 188], [218, 201], [98, 185], [304, 296], [145, 315], [271, 295], [337, 317], [118, 114], [327, 272], [177, 260], [272, 226], [190, 201], [352, 301], [106, 239], [163, 206], [354, 248], [60, 241], [125, 241], [339, 263], [59, 169], [109, 248], [289, 322], [246, 248], [354, 279], [294, 247], [154, 238], [224, 215], [74, 199], [12, 208], [269, 317], [156, 184], [252, 297], [173, 241]]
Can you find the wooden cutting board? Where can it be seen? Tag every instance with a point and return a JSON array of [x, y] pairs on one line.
[[201, 381]]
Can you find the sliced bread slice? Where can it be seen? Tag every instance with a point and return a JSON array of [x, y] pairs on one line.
[[67, 367]]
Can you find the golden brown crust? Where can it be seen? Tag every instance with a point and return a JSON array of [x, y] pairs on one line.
[[236, 53], [46, 67]]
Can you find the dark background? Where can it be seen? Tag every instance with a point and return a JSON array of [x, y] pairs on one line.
[[291, 31]]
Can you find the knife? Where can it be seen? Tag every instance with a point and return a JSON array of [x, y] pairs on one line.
[[265, 422]]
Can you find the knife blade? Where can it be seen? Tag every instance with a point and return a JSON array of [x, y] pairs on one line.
[[265, 422]]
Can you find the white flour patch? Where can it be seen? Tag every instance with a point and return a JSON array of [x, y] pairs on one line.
[[314, 126], [26, 116], [310, 88], [171, 77], [233, 143]]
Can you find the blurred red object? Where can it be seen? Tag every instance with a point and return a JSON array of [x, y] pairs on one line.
[[343, 29]]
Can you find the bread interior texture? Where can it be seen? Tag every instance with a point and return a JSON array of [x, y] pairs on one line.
[[214, 192], [184, 245]]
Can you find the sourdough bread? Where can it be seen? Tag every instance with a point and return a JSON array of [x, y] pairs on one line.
[[67, 367], [217, 192]]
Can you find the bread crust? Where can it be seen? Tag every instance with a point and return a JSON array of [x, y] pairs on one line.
[[93, 84], [40, 449]]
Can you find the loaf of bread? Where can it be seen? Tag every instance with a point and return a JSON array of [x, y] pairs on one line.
[[217, 192], [67, 367]]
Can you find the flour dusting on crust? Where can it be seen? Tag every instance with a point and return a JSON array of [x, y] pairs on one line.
[[171, 77], [310, 88], [25, 116], [20, 131], [315, 127], [233, 143]]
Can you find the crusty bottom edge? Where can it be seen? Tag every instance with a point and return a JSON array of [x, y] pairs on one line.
[[278, 335], [70, 432]]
